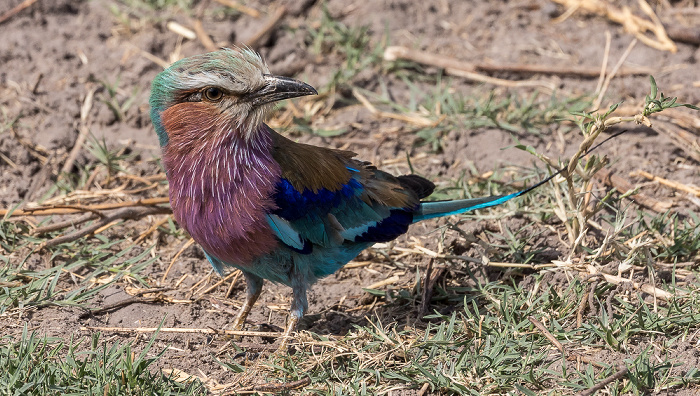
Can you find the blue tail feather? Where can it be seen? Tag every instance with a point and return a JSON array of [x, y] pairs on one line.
[[431, 210]]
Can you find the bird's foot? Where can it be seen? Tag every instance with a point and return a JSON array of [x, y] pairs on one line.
[[254, 289], [241, 317], [288, 335]]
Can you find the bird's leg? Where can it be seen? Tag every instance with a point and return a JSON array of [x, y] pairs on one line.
[[253, 288], [299, 307]]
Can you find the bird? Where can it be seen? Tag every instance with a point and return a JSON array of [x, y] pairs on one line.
[[276, 209]]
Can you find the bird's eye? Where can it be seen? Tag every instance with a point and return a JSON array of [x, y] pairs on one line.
[[213, 94]]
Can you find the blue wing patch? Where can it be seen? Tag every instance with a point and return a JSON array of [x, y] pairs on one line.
[[329, 218], [285, 232], [293, 205]]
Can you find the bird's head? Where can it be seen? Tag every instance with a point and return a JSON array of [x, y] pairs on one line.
[[219, 92]]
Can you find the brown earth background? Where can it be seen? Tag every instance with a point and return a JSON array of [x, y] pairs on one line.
[[55, 52]]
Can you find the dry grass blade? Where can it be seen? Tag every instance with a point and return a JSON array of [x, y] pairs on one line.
[[644, 287], [669, 183], [613, 73], [158, 61], [179, 252], [151, 229], [632, 23], [680, 136], [84, 130], [388, 281], [234, 274], [409, 118], [181, 30], [275, 387]]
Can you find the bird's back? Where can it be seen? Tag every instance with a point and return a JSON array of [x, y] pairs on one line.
[[332, 206]]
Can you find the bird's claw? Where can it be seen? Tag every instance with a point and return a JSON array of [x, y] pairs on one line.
[[288, 335]]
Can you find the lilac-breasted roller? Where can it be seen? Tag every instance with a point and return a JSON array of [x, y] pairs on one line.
[[254, 200]]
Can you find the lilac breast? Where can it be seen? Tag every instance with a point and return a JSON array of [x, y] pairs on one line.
[[220, 191]]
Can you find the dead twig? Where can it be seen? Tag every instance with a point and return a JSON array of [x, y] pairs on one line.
[[129, 213], [217, 304], [388, 281], [668, 183], [15, 10], [623, 186], [63, 224], [235, 273], [585, 359], [271, 23], [240, 7], [184, 330], [181, 30], [136, 299], [427, 290], [277, 388], [618, 375], [203, 36], [424, 389], [688, 35], [547, 334], [69, 209], [677, 130], [160, 62], [457, 68], [79, 208], [616, 280], [397, 52]]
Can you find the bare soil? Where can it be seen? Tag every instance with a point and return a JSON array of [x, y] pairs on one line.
[[55, 51]]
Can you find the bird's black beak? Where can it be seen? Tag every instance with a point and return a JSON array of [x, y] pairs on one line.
[[279, 88]]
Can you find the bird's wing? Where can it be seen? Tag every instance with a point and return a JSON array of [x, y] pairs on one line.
[[325, 197]]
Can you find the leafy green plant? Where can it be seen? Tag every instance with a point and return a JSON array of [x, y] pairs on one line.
[[39, 365]]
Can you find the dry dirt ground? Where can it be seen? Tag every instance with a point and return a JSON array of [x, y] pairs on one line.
[[55, 52]]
